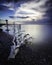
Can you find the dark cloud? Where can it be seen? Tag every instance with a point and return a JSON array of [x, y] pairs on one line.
[[9, 0], [3, 1], [23, 17], [49, 11], [22, 0], [2, 8], [11, 16], [14, 1], [19, 17]]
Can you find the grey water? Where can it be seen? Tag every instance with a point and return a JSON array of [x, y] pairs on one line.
[[40, 33]]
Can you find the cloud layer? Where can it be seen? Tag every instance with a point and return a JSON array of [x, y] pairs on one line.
[[33, 9], [27, 11]]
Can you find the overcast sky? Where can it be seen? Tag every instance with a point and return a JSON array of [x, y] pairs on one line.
[[26, 11]]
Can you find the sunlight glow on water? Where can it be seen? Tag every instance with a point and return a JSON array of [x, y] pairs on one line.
[[40, 33]]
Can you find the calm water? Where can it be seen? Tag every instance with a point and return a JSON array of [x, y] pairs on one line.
[[40, 33]]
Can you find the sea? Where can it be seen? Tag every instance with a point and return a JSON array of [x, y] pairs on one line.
[[40, 33]]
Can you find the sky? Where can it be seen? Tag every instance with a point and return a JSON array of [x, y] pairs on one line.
[[26, 11]]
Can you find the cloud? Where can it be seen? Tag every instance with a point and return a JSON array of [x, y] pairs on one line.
[[28, 10], [10, 5], [22, 17], [33, 9], [40, 22], [3, 8], [19, 17]]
